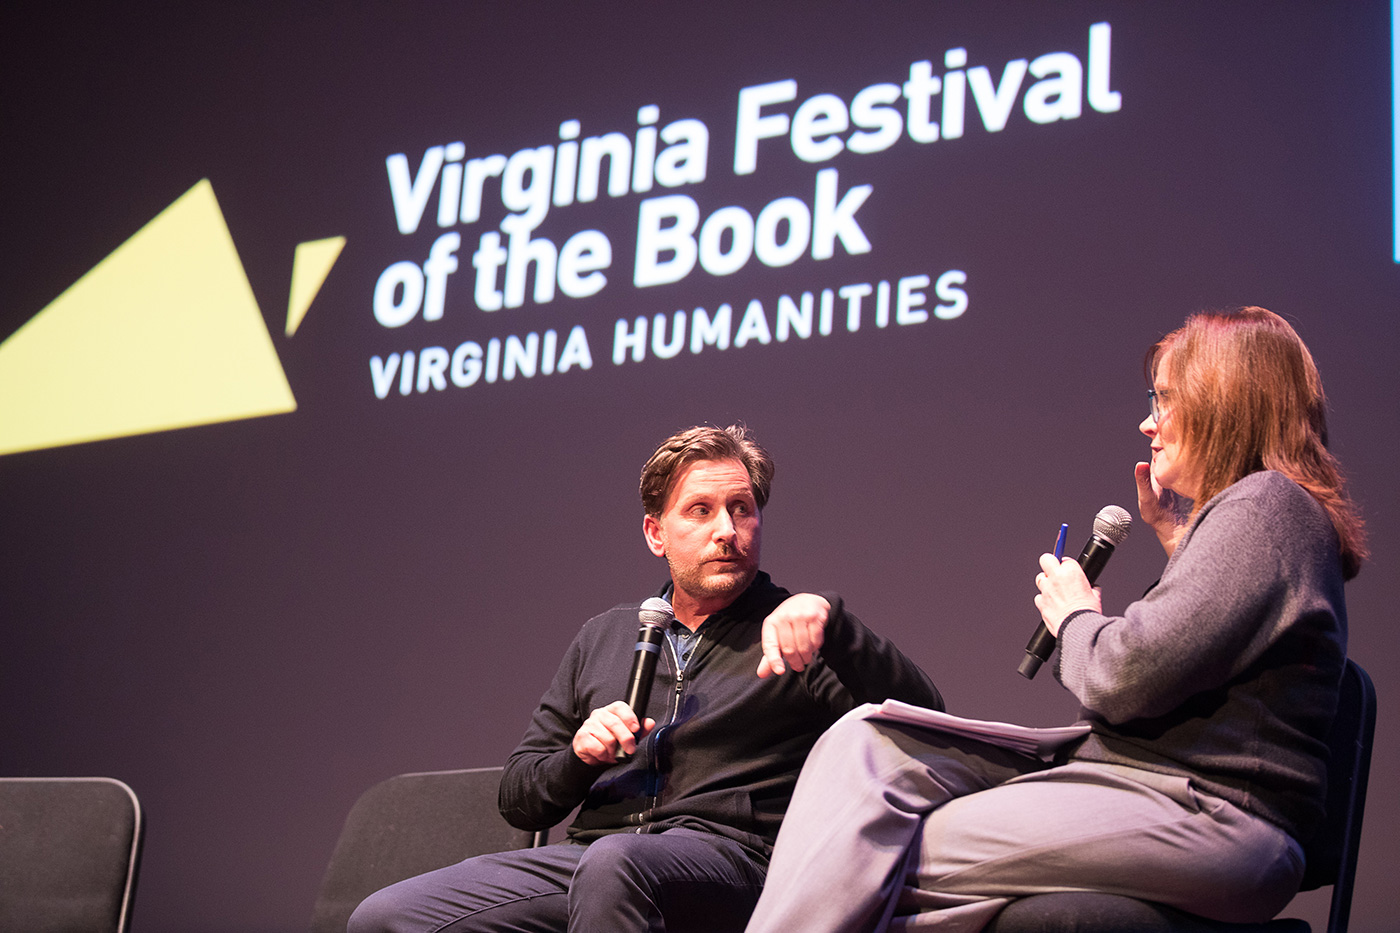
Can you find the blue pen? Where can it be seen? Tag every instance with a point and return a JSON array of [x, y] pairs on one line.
[[1042, 642]]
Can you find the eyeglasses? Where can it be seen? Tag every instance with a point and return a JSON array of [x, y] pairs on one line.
[[1158, 402]]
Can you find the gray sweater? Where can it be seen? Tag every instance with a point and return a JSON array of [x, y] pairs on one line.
[[1227, 670]]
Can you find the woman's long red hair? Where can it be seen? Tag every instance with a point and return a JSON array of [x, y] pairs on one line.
[[1246, 396]]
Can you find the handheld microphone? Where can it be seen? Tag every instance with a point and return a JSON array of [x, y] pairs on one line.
[[1111, 526], [655, 616]]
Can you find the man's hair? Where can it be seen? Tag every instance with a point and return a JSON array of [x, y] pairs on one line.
[[1245, 395], [698, 444]]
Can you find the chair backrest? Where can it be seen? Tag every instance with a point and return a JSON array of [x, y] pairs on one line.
[[1332, 853], [69, 853], [408, 825]]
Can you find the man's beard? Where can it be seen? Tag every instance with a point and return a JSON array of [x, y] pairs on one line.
[[692, 580]]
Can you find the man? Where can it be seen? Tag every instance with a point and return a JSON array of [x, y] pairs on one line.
[[676, 835]]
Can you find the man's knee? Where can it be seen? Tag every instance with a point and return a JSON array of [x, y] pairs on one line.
[[478, 893], [610, 860]]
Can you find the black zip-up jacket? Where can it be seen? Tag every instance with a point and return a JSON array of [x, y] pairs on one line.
[[727, 747]]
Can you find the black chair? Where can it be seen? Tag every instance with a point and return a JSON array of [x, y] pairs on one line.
[[408, 825], [1331, 856], [69, 853]]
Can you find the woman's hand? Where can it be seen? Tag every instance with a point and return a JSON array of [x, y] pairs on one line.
[[1164, 510], [1063, 590]]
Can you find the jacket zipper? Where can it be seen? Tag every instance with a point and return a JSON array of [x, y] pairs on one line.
[[674, 709]]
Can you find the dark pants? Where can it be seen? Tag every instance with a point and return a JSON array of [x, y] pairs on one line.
[[680, 880]]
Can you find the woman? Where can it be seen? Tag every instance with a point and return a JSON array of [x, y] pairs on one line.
[[1208, 699]]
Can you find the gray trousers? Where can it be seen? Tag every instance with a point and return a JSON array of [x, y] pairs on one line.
[[901, 828], [680, 881]]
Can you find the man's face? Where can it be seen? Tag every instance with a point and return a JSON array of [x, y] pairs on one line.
[[709, 532]]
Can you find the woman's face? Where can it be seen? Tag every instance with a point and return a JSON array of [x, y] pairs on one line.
[[1171, 467]]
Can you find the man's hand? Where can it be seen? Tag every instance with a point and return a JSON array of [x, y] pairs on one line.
[[606, 732], [793, 634]]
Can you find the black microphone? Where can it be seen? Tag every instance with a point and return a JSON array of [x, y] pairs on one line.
[[1111, 526], [655, 616]]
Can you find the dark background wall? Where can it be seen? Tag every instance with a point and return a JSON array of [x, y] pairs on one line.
[[252, 622]]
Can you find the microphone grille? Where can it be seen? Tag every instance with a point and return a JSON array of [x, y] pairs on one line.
[[656, 611], [1113, 524]]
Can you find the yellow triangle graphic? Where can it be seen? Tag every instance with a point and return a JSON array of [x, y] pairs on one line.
[[164, 333], [310, 266]]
